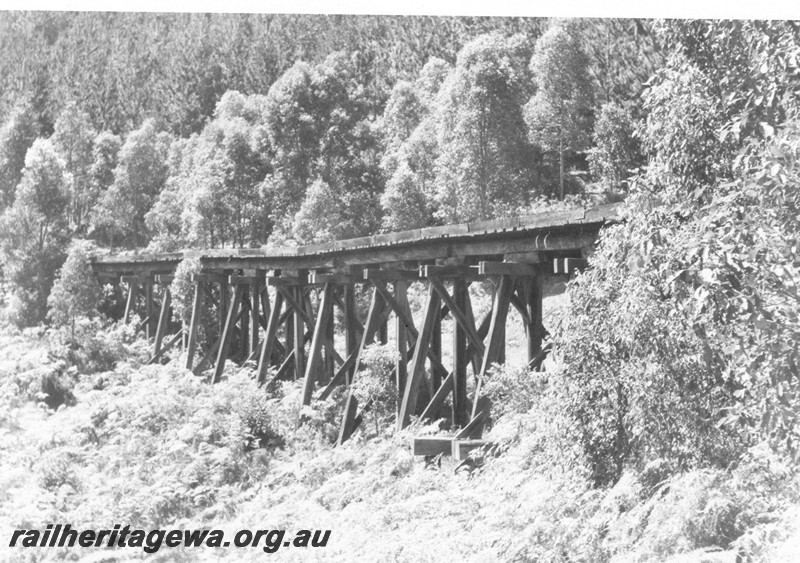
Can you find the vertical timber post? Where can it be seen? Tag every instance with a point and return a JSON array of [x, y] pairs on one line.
[[197, 305], [255, 308], [320, 336], [330, 364], [383, 332], [534, 331], [163, 319], [460, 408], [223, 301], [501, 349], [401, 337], [436, 348], [270, 337], [299, 334], [244, 324], [350, 319], [288, 332], [266, 309], [131, 301], [148, 306], [227, 333]]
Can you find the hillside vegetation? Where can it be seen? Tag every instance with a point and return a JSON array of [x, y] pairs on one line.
[[156, 447]]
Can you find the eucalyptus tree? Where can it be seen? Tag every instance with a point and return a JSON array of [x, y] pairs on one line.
[[34, 232], [73, 138], [408, 128], [17, 134], [75, 292], [559, 114], [213, 195], [617, 153], [229, 198], [486, 163], [105, 156], [138, 180], [319, 129]]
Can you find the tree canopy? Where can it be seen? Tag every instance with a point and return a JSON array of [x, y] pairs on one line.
[[485, 164], [34, 231], [559, 114]]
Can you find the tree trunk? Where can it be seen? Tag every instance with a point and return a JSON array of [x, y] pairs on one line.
[[561, 166]]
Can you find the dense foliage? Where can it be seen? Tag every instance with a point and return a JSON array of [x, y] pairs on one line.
[[681, 342]]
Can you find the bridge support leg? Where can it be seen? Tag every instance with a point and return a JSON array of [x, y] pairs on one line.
[[534, 331], [350, 323], [266, 308], [378, 314], [436, 347], [401, 339], [288, 334], [130, 303], [222, 306], [244, 324], [329, 368], [227, 333], [501, 338], [148, 308], [349, 420], [163, 319], [197, 306], [324, 319], [255, 308], [416, 373], [383, 332], [374, 321], [270, 337], [299, 332], [460, 361], [497, 331]]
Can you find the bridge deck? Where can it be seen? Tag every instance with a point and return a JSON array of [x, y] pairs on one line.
[[562, 232]]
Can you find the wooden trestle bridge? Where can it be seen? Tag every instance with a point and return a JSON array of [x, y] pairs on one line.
[[516, 253]]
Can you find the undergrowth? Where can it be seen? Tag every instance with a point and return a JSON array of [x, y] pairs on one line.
[[155, 446]]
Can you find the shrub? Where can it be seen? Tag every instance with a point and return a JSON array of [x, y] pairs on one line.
[[95, 347], [255, 414], [56, 469], [75, 292], [512, 390], [636, 376], [56, 390], [375, 384]]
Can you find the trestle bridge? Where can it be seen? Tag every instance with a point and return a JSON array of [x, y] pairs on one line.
[[266, 313]]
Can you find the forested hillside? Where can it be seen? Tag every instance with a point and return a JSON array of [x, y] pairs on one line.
[[189, 131]]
